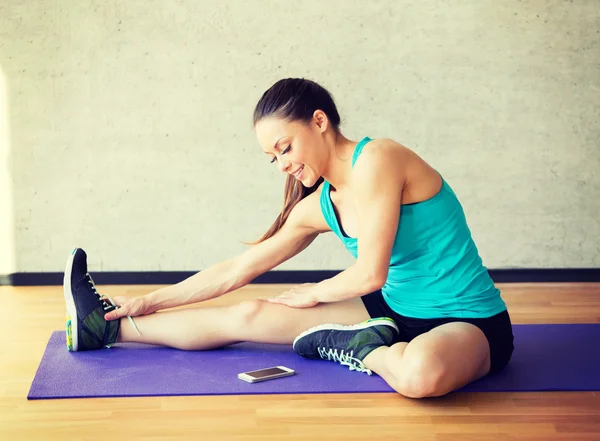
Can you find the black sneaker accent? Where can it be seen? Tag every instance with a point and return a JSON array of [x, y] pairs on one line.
[[86, 327], [348, 345]]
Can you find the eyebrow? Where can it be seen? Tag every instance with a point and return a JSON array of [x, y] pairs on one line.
[[275, 145]]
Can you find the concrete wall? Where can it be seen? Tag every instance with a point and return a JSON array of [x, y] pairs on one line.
[[129, 122]]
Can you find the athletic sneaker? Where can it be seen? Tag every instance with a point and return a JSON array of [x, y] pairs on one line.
[[86, 327], [347, 345]]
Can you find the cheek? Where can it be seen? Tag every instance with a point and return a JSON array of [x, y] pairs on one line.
[[300, 158]]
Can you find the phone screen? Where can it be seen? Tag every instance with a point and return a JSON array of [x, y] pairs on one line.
[[265, 372]]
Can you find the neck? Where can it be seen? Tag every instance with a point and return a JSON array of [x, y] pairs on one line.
[[339, 164]]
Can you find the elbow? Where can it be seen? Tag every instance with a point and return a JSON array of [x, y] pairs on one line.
[[240, 278], [378, 283], [237, 280], [375, 280], [239, 275]]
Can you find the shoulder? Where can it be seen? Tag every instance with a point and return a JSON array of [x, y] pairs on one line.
[[307, 213], [385, 163], [382, 158], [383, 149]]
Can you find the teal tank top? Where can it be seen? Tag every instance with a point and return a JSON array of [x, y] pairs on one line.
[[435, 268]]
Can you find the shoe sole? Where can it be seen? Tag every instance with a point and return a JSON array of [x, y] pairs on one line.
[[334, 327], [72, 337]]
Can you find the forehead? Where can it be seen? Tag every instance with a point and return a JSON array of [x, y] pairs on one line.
[[270, 130]]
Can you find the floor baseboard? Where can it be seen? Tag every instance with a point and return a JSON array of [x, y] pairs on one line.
[[517, 275]]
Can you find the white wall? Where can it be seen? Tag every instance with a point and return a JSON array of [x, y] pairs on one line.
[[131, 135], [7, 235]]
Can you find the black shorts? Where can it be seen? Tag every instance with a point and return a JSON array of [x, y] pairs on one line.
[[497, 328]]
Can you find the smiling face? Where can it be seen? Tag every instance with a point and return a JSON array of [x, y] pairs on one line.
[[295, 146]]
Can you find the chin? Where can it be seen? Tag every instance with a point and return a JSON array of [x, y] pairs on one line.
[[310, 182]]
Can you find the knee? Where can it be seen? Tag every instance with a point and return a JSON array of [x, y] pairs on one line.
[[421, 376], [247, 311]]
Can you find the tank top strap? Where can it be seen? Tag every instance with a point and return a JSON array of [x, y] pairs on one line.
[[359, 147]]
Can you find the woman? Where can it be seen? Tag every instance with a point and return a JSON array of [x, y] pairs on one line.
[[430, 319]]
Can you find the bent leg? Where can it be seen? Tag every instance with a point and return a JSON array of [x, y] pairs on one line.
[[435, 363], [253, 320]]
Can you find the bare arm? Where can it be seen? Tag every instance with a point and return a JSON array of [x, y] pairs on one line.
[[377, 182], [301, 228]]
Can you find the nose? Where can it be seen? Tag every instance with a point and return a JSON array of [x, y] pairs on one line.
[[284, 165]]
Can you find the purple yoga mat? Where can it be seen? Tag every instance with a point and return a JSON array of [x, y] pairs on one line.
[[546, 357]]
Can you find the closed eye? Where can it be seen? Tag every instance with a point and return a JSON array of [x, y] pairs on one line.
[[283, 153]]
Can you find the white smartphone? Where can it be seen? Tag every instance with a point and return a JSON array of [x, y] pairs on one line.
[[266, 374]]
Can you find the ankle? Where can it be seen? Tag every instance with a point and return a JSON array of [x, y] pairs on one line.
[[128, 332], [120, 337], [375, 359]]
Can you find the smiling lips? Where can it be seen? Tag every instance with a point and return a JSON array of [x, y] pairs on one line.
[[298, 172]]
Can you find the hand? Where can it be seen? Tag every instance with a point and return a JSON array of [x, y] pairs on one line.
[[132, 307], [297, 297]]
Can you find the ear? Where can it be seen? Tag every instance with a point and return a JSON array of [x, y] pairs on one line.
[[321, 121]]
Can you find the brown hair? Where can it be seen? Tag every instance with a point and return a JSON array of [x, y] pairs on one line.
[[295, 99], [294, 192]]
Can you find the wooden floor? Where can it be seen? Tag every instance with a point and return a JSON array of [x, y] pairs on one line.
[[30, 314]]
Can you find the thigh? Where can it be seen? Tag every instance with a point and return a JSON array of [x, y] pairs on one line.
[[456, 353], [275, 323]]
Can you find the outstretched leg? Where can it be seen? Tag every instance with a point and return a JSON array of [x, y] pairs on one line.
[[199, 328], [252, 320]]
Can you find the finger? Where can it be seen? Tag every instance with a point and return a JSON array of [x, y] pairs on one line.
[[116, 314], [292, 302], [284, 295]]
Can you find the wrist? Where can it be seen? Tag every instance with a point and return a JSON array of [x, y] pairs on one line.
[[156, 301]]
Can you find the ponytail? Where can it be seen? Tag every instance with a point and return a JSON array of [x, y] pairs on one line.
[[294, 192]]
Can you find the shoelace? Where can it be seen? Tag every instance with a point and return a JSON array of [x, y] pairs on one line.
[[105, 305], [344, 358]]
